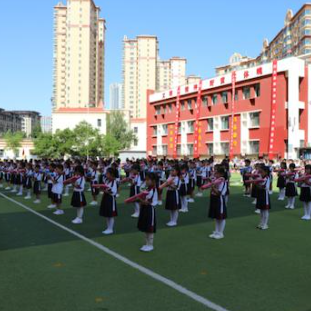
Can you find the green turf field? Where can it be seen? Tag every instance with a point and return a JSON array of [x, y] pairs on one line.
[[45, 268]]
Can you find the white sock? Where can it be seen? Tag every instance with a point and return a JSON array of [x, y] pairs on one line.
[[184, 203], [266, 217], [175, 216], [21, 189], [309, 209], [28, 193], [305, 208], [293, 201], [217, 226], [137, 208], [149, 239], [111, 223], [222, 226], [80, 212], [262, 218], [171, 216]]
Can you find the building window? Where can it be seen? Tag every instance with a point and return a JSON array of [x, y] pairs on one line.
[[179, 150], [154, 131], [225, 123], [246, 92], [135, 142], [164, 150], [254, 119], [99, 122], [190, 149], [190, 127], [158, 111], [205, 101], [215, 99], [257, 90], [254, 147], [224, 97], [164, 109], [170, 108], [135, 129], [183, 106], [189, 104], [164, 129], [210, 149], [1, 153], [236, 95], [224, 148], [154, 150], [210, 125]]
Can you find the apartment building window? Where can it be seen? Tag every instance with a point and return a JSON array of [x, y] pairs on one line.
[[190, 149], [154, 150], [182, 106], [254, 147], [210, 149], [190, 127], [170, 108], [215, 99], [224, 123], [135, 142], [236, 95], [257, 89], [224, 97], [158, 110], [246, 92], [224, 148], [179, 128], [135, 129], [164, 129], [164, 150], [210, 125], [189, 104], [164, 109], [179, 150], [254, 119], [205, 101], [154, 131]]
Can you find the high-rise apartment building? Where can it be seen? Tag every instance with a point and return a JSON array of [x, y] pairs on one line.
[[294, 39], [29, 121], [116, 95], [139, 72], [171, 73], [46, 124], [79, 55]]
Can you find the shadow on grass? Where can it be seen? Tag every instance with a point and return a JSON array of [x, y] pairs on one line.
[[22, 229]]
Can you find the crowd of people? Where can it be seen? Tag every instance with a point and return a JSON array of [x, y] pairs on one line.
[[184, 181]]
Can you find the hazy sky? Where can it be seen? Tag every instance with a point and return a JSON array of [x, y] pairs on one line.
[[205, 32]]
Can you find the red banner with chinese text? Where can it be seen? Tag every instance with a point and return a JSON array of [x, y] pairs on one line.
[[197, 134], [273, 108], [176, 123], [233, 130]]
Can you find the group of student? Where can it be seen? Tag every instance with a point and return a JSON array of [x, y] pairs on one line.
[[183, 180]]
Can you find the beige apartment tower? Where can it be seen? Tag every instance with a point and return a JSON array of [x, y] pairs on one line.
[[79, 55]]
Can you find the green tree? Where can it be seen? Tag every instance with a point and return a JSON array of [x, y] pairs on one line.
[[65, 141], [111, 146], [36, 131], [45, 146], [118, 128], [13, 141]]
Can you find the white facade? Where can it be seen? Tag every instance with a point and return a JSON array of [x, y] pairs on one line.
[[116, 94], [24, 152], [139, 127], [46, 124]]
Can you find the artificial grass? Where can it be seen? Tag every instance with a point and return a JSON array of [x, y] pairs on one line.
[[45, 268]]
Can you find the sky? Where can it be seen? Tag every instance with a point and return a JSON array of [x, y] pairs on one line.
[[206, 32]]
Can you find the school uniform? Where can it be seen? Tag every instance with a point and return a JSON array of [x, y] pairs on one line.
[[254, 187], [244, 172], [281, 182], [50, 184], [147, 217], [305, 192], [108, 206], [28, 179], [183, 190], [199, 172], [135, 187], [263, 197], [94, 181], [291, 189], [192, 180], [218, 208], [37, 183], [173, 201], [57, 189], [78, 198]]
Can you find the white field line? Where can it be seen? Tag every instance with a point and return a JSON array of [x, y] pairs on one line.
[[125, 260]]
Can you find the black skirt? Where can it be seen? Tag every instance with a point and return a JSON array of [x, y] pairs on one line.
[[305, 194], [37, 187], [281, 182], [199, 181], [254, 191], [147, 219], [291, 190], [217, 208], [95, 191], [191, 186], [28, 183], [134, 190], [50, 194], [108, 206], [57, 198], [183, 190], [78, 199], [263, 199], [172, 200]]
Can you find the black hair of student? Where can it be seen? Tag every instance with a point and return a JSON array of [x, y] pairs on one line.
[[177, 169], [60, 167], [151, 176], [266, 169], [292, 165], [79, 169], [136, 167], [53, 165], [184, 167], [308, 167], [247, 161], [38, 166], [160, 163], [284, 165], [112, 172], [221, 170]]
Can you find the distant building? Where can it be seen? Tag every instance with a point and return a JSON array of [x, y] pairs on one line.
[[294, 39], [116, 94], [24, 152], [9, 121], [192, 79], [46, 124], [30, 119]]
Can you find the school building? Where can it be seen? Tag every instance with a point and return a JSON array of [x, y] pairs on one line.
[[258, 111]]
